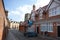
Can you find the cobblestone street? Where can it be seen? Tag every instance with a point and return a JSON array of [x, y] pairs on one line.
[[17, 35]]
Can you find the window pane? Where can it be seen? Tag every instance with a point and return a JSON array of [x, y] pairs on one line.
[[58, 10], [50, 27]]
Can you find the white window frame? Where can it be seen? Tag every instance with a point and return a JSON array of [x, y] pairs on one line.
[[48, 27]]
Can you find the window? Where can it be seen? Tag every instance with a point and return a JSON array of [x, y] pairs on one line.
[[52, 12], [58, 11], [50, 27], [40, 14], [47, 27], [44, 27]]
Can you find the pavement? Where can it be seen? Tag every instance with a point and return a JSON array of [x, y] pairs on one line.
[[10, 36], [17, 35]]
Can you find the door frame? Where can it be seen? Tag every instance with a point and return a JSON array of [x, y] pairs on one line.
[[37, 29]]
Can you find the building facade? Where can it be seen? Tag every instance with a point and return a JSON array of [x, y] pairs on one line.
[[50, 21], [22, 26], [27, 16], [47, 19], [3, 21], [33, 17], [14, 25]]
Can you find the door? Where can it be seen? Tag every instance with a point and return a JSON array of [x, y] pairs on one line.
[[58, 31], [37, 29]]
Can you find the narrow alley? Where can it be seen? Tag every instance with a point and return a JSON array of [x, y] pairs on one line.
[[29, 20]]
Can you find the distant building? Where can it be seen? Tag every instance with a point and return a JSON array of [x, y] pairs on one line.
[[22, 26], [27, 16], [14, 25]]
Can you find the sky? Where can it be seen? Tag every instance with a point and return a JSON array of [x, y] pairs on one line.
[[18, 8]]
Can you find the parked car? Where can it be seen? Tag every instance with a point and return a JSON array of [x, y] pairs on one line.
[[30, 34]]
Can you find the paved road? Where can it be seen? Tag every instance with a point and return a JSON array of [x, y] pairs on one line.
[[10, 36], [17, 35]]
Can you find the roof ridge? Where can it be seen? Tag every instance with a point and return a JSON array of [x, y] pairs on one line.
[[49, 4]]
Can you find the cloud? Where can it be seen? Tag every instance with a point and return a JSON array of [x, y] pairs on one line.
[[41, 3], [19, 13]]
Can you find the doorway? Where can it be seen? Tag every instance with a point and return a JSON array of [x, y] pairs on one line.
[[37, 29], [58, 30]]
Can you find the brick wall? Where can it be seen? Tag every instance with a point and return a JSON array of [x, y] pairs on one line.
[[54, 33], [21, 28], [1, 27], [2, 18]]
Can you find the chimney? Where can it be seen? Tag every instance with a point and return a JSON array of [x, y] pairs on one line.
[[33, 7]]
